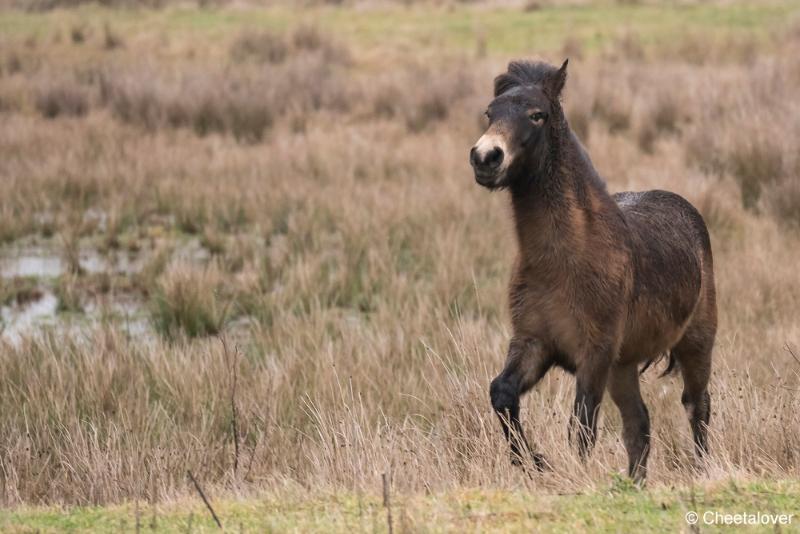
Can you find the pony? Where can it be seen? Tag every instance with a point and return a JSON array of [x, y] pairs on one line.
[[602, 283]]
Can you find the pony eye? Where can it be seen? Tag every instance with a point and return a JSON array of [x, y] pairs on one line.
[[538, 116]]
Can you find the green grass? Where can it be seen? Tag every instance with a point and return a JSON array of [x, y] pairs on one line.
[[621, 508], [506, 31]]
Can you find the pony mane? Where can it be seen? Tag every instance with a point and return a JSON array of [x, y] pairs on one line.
[[521, 73]]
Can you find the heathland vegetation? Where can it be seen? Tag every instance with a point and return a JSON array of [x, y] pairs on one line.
[[296, 183]]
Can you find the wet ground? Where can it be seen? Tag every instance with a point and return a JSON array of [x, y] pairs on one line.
[[29, 278]]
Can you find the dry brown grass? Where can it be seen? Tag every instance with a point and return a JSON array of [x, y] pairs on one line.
[[261, 46], [366, 271], [65, 98]]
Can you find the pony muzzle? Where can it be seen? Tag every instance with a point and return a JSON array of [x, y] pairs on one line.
[[489, 159]]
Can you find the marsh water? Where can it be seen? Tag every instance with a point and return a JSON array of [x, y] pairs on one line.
[[38, 266]]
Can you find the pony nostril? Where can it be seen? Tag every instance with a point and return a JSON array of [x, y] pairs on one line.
[[473, 157], [486, 161], [494, 158]]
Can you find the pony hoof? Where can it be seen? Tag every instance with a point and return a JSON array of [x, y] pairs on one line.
[[540, 464]]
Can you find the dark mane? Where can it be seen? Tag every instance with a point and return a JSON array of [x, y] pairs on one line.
[[521, 73]]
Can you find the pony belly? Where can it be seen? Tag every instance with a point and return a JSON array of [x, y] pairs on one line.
[[649, 337]]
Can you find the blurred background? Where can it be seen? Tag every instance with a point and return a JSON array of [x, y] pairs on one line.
[[293, 178]]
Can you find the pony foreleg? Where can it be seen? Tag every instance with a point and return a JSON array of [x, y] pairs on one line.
[[526, 364]]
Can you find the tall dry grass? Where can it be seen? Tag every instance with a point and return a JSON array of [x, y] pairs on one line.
[[361, 272]]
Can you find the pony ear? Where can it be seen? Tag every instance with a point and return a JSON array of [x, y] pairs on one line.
[[555, 82]]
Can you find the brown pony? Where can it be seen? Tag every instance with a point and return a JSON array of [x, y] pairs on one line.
[[602, 283]]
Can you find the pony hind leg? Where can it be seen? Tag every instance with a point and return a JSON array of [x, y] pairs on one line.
[[623, 386], [693, 354], [526, 364], [590, 384]]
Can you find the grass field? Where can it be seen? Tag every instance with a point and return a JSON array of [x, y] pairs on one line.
[[620, 508], [245, 241], [507, 30]]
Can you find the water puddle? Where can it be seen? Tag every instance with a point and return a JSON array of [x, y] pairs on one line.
[[30, 264], [128, 312], [44, 264], [40, 262], [18, 320], [27, 319]]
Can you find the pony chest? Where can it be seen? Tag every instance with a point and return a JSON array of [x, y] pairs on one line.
[[546, 311]]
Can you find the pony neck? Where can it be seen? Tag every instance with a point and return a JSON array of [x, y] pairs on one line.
[[553, 207]]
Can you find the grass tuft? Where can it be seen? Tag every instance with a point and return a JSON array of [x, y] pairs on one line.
[[187, 301], [755, 163]]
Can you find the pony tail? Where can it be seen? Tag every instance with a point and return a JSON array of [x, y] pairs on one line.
[[672, 364]]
